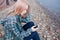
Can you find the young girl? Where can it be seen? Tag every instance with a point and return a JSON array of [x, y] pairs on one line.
[[12, 24]]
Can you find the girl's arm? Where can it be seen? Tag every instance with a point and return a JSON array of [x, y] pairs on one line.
[[16, 31]]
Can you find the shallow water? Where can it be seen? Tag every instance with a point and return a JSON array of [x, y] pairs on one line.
[[53, 5]]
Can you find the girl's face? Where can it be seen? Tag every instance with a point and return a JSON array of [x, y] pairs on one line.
[[25, 15]]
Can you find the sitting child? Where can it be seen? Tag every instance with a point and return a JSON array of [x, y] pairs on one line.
[[12, 24]]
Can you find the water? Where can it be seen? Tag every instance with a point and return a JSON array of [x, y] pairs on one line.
[[53, 5]]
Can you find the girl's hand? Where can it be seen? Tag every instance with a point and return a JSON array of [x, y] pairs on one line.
[[34, 29], [24, 14]]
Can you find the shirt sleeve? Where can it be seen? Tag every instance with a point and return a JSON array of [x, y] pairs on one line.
[[25, 20], [14, 29], [26, 33]]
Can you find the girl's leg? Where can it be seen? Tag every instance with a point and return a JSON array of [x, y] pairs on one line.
[[28, 25], [34, 36]]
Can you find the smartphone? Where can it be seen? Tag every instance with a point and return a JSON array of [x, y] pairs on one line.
[[36, 26]]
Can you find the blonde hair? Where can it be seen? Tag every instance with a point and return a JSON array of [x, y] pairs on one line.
[[21, 6]]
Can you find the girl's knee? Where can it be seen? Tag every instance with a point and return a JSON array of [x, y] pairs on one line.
[[28, 25], [31, 24]]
